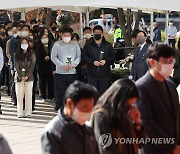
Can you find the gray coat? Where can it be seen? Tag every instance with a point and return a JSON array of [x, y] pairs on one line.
[[28, 65], [4, 146], [160, 117], [139, 66]]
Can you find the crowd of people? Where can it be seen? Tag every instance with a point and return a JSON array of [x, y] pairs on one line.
[[76, 75]]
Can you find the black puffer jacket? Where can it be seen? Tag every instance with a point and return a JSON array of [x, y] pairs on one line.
[[91, 53], [64, 136]]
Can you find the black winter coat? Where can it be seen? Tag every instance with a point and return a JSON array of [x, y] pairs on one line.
[[43, 67], [91, 53], [64, 136]]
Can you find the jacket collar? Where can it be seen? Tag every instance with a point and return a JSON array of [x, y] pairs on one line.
[[66, 120], [153, 83], [103, 42]]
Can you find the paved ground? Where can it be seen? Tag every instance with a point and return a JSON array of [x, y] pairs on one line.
[[24, 134]]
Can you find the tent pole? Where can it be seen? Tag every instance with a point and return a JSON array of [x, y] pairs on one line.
[[151, 26], [87, 17], [23, 14], [81, 25], [167, 21]]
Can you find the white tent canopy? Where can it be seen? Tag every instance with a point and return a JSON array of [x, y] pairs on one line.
[[85, 5], [81, 5]]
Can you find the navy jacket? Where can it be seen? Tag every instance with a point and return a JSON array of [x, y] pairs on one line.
[[157, 35], [139, 66]]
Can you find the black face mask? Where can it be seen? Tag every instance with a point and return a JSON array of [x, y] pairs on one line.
[[53, 28], [97, 37], [36, 28]]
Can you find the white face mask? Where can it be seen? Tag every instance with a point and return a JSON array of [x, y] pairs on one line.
[[10, 33], [19, 33], [24, 33], [24, 46], [66, 39], [45, 40], [31, 37], [87, 36], [166, 70], [15, 35], [80, 117]]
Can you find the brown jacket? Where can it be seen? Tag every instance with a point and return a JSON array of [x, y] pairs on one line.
[[101, 123], [27, 65]]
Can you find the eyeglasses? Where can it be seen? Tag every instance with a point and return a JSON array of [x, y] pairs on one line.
[[168, 61]]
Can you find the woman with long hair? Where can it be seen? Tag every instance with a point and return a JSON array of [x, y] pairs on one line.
[[25, 60], [44, 67], [115, 116]]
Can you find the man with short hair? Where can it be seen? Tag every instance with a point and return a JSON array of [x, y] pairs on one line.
[[172, 32], [157, 32], [82, 67], [139, 65], [99, 55], [66, 55], [159, 102], [87, 32], [67, 133], [134, 37], [53, 32]]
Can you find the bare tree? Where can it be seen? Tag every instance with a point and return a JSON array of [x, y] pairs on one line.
[[47, 16], [126, 21], [10, 15]]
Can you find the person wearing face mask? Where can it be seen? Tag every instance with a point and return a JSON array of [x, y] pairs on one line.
[[75, 37], [134, 38], [5, 41], [1, 66], [36, 30], [67, 132], [32, 47], [9, 32], [82, 67], [31, 35], [13, 46], [159, 101], [87, 32], [66, 55], [24, 62], [139, 65], [116, 115], [25, 30], [99, 55], [53, 32], [44, 67], [172, 32], [4, 72], [8, 24]]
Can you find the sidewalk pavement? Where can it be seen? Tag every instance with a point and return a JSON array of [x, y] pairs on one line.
[[24, 134]]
